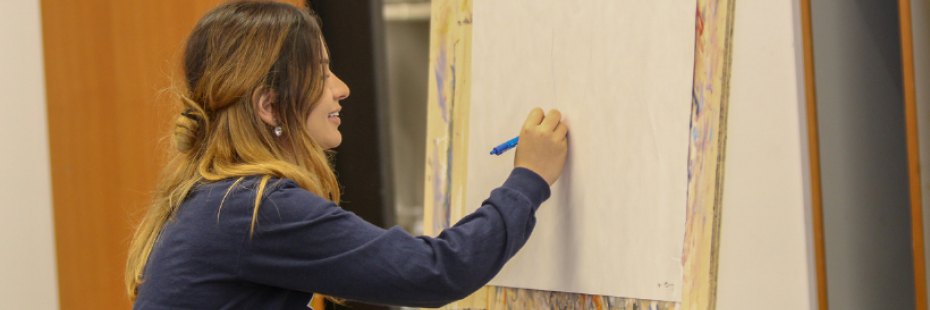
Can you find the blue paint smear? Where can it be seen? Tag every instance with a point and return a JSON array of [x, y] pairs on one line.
[[440, 85], [440, 218], [447, 204], [441, 189], [697, 103]]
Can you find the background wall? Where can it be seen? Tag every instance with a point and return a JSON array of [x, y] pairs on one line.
[[407, 46], [857, 63], [766, 257], [27, 249]]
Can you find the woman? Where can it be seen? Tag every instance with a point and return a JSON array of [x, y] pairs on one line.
[[246, 216]]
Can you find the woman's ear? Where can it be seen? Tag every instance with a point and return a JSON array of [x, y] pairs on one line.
[[262, 99]]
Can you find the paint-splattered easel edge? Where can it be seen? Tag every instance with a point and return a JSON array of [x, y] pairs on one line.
[[447, 136]]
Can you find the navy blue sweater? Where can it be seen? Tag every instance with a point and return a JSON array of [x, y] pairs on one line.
[[205, 258]]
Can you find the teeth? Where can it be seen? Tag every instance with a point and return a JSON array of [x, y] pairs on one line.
[[334, 114]]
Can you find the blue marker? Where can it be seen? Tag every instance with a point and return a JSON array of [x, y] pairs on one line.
[[500, 149]]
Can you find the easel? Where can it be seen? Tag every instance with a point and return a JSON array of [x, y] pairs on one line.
[[447, 137]]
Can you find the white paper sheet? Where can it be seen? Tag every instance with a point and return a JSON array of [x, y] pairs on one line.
[[621, 73]]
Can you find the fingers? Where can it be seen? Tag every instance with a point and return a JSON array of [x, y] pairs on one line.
[[561, 131], [543, 144], [535, 117], [546, 123], [551, 120]]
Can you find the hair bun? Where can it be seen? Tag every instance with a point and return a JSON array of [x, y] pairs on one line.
[[186, 129]]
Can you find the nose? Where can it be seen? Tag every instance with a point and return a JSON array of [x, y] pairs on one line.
[[340, 89]]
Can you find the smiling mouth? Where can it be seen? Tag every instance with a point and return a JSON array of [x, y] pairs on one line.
[[334, 114]]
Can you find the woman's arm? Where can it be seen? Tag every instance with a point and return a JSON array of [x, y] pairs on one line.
[[306, 243]]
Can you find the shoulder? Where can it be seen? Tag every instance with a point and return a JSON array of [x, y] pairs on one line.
[[239, 195], [287, 190], [232, 188], [283, 200]]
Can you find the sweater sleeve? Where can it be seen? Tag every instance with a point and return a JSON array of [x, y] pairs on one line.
[[303, 242]]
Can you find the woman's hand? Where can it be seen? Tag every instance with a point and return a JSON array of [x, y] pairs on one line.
[[543, 144]]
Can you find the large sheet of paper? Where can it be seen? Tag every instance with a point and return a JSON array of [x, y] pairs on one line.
[[621, 73]]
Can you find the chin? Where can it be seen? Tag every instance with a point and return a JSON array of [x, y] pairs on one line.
[[332, 144]]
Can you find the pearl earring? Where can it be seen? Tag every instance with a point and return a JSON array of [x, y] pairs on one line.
[[277, 130]]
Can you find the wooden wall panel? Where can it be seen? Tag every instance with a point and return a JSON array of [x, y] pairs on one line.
[[106, 62]]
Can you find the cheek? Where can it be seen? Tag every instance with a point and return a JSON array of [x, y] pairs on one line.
[[316, 115], [316, 121], [319, 117]]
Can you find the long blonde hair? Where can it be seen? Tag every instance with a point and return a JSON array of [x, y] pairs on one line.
[[236, 49]]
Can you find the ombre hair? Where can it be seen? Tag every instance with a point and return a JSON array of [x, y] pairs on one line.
[[238, 49]]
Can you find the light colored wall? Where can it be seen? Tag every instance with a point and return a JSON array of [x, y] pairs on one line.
[[407, 43], [28, 277], [867, 229], [766, 259]]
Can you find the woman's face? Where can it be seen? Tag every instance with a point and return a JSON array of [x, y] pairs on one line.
[[323, 122]]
